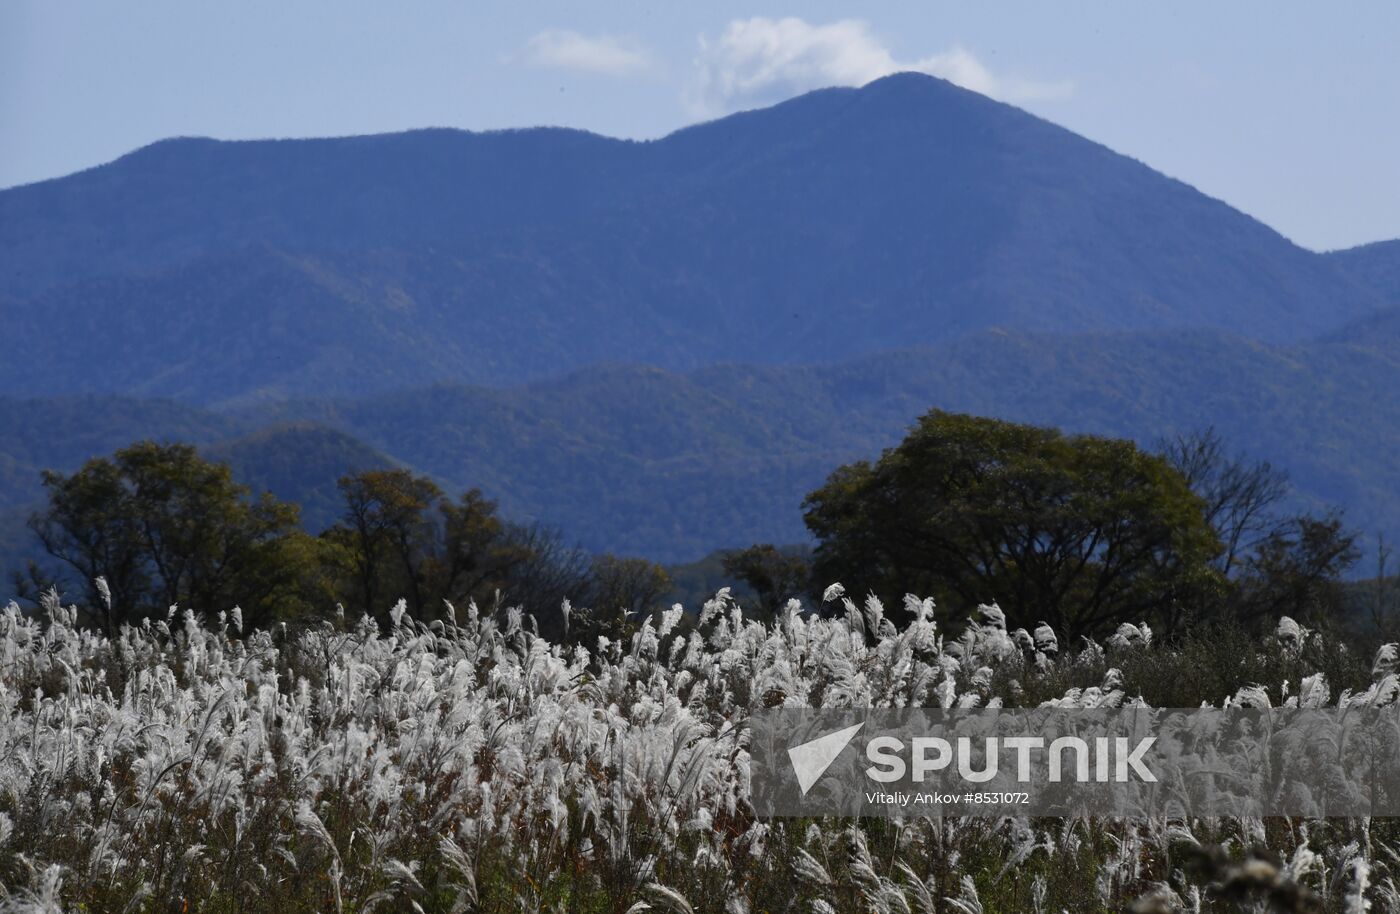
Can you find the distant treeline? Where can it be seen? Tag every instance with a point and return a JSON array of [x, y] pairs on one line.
[[156, 526], [1081, 532]]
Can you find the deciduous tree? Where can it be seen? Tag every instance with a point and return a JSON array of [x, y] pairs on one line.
[[775, 575], [1078, 531], [164, 527]]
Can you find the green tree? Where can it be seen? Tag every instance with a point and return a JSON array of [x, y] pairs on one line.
[[389, 536], [402, 538], [635, 586], [479, 550], [91, 525], [1297, 571], [775, 575], [617, 594], [1079, 531], [164, 527]]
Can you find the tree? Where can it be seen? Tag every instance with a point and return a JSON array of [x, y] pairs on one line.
[[774, 575], [479, 550], [1380, 605], [619, 592], [91, 525], [402, 538], [635, 586], [164, 527], [389, 535], [1080, 531], [544, 572], [1241, 496], [1277, 563], [1297, 571]]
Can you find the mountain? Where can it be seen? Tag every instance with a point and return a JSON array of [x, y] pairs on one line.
[[638, 460], [299, 462], [1378, 330], [842, 223], [672, 465], [660, 347], [62, 432], [1375, 265]]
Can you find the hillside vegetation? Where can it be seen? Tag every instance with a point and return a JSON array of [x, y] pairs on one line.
[[648, 462]]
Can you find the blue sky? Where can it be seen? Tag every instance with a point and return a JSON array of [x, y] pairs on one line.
[[1288, 112]]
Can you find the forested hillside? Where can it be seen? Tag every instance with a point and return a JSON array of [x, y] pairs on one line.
[[844, 222], [1375, 265], [672, 465]]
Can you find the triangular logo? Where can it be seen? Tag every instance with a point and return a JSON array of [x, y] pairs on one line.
[[811, 759]]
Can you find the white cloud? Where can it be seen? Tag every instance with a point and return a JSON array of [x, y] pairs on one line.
[[567, 50], [760, 61]]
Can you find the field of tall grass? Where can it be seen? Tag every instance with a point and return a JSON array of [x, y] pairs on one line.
[[470, 765]]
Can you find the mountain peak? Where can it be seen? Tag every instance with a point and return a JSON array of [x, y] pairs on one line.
[[910, 81], [909, 94]]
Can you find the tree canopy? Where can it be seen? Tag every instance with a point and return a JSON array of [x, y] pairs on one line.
[[156, 525], [161, 526], [775, 575], [402, 538], [1078, 531]]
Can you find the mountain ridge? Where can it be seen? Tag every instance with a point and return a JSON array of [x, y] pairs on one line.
[[1376, 264], [842, 222], [634, 459]]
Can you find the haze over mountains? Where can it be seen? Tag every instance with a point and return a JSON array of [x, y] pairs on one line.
[[804, 280]]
